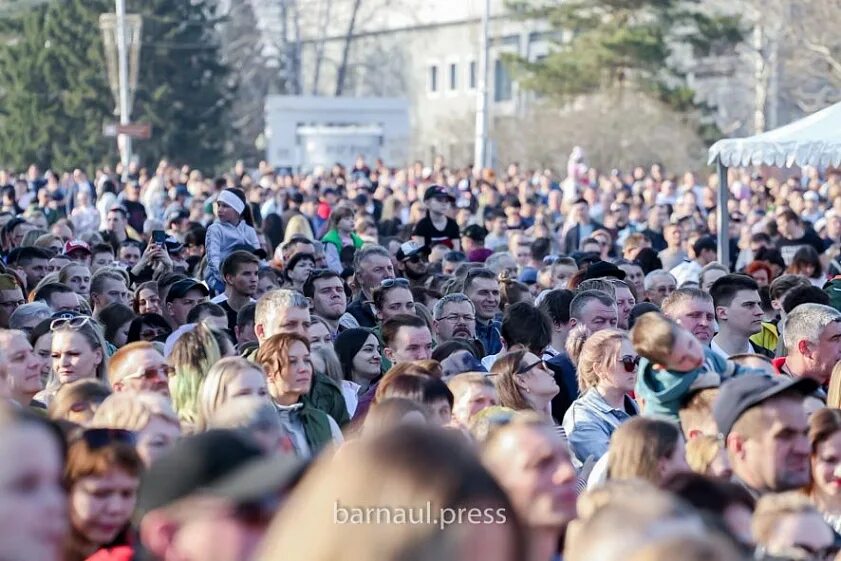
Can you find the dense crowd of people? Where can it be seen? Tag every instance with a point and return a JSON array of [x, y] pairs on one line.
[[424, 363]]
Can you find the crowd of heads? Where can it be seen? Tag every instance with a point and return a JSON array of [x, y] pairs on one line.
[[419, 363]]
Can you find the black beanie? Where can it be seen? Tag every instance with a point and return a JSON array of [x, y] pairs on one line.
[[347, 344]]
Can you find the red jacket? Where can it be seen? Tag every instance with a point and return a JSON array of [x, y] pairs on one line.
[[116, 553]]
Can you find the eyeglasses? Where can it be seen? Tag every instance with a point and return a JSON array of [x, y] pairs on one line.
[[525, 369], [389, 283], [466, 318], [153, 373], [99, 438], [70, 321], [12, 303], [630, 363]]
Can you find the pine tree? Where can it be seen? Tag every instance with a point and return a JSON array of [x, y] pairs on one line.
[[623, 43], [184, 89], [54, 93], [252, 77]]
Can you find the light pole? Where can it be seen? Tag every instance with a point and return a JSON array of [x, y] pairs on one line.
[[123, 140], [480, 153]]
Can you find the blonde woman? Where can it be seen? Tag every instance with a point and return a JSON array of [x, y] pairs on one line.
[[648, 449], [149, 415], [300, 226], [607, 372], [230, 378]]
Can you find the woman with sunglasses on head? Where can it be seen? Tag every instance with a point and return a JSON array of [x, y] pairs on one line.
[[524, 383], [33, 504], [78, 349], [393, 297], [101, 477], [607, 372]]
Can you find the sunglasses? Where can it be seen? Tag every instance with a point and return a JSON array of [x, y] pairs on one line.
[[630, 363], [389, 283], [70, 321], [153, 373], [99, 438], [525, 369]]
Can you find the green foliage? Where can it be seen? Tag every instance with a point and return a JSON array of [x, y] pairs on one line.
[[54, 93], [184, 89], [622, 43]]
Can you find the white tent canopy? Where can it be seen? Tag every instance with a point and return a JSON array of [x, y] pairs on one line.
[[812, 141]]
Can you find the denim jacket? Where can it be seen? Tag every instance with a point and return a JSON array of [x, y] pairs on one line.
[[488, 334], [589, 423]]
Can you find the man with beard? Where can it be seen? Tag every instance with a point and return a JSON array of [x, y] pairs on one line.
[[454, 317], [692, 309], [328, 299], [411, 263]]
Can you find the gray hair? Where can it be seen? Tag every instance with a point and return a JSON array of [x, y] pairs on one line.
[[583, 298], [367, 251], [30, 313], [452, 298], [649, 278], [807, 322], [493, 261], [602, 284], [274, 300]]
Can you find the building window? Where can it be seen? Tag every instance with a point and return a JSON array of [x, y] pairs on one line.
[[433, 78], [453, 76], [471, 75], [502, 82]]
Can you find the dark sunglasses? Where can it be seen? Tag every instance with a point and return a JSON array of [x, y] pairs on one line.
[[99, 438], [389, 283], [630, 363], [525, 369]]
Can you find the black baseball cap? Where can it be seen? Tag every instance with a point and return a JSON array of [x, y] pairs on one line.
[[180, 288], [435, 191], [601, 269], [475, 232], [749, 390], [219, 463]]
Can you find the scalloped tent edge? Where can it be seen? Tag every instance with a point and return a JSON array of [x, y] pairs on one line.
[[814, 140]]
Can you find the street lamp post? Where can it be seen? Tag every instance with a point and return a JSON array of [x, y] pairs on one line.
[[123, 140], [480, 154]]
